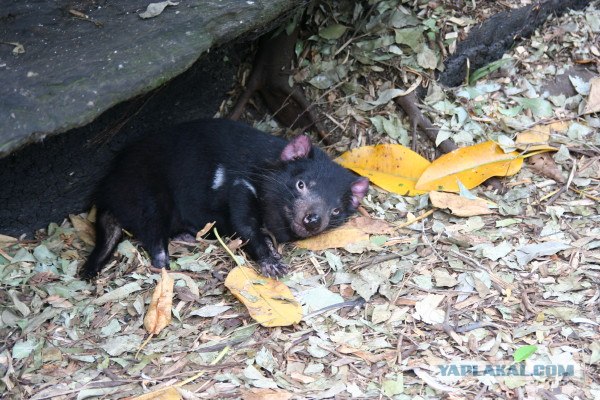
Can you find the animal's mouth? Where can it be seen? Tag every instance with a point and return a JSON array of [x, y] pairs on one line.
[[307, 218], [300, 230]]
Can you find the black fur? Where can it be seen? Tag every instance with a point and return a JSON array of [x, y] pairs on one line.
[[168, 185]]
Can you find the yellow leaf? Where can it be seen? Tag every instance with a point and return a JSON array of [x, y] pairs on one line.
[[269, 302], [392, 167], [158, 315], [458, 205], [162, 394], [339, 237], [537, 138], [471, 165], [354, 231]]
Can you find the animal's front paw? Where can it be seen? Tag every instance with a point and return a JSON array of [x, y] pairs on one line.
[[272, 267], [87, 274], [272, 249]]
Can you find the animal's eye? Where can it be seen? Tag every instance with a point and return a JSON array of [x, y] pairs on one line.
[[335, 211], [300, 185]]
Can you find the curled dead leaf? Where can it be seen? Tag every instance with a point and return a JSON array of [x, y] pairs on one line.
[[545, 165], [471, 166], [392, 167], [158, 315], [458, 205], [202, 232]]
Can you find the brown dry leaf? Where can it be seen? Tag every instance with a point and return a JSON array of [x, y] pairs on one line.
[[302, 378], [161, 394], [339, 237], [470, 165], [235, 244], [458, 205], [545, 165], [370, 357], [390, 166], [269, 302], [7, 240], [372, 226], [265, 394], [593, 101], [202, 232], [158, 315], [536, 138], [84, 229], [364, 355], [354, 231], [58, 302]]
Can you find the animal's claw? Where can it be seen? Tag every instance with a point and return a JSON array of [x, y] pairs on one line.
[[272, 267]]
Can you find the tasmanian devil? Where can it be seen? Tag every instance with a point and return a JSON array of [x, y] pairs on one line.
[[250, 183]]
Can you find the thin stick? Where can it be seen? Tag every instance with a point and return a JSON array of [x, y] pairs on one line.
[[412, 221]]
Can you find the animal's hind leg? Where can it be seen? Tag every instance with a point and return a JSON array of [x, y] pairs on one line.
[[155, 232], [108, 234], [158, 249]]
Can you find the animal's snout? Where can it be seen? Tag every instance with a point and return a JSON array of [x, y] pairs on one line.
[[312, 222]]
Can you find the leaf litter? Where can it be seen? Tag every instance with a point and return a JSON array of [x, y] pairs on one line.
[[442, 291]]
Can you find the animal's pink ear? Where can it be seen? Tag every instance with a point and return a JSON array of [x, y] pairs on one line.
[[299, 147], [360, 187]]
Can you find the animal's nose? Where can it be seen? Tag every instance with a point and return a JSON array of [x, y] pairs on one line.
[[312, 222]]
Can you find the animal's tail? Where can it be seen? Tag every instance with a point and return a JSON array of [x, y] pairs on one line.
[[108, 234]]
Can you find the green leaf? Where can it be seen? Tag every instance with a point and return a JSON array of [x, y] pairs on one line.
[[539, 107], [392, 388], [23, 349], [427, 58], [412, 37], [524, 352], [488, 69], [333, 32]]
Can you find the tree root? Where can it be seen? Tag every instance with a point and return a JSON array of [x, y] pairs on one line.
[[270, 78], [409, 104]]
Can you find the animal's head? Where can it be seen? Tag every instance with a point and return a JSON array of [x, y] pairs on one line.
[[308, 193]]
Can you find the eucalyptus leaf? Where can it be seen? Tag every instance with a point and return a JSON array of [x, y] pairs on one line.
[[333, 32]]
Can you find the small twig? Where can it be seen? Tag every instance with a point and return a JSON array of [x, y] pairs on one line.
[[89, 385], [474, 325], [357, 29], [84, 17], [412, 221], [227, 249], [527, 306], [350, 303], [398, 351], [377, 260], [497, 282], [480, 393], [5, 255], [428, 243], [566, 186]]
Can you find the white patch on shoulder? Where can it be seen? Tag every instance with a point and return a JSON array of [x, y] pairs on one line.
[[248, 185], [219, 178]]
